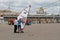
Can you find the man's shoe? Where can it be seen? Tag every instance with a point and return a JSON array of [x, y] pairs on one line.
[[15, 32]]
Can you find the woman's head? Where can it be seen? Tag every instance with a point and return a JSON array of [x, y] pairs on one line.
[[21, 19]]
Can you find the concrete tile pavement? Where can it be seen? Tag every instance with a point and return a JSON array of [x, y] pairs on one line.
[[33, 32]]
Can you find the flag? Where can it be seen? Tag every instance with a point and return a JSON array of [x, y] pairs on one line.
[[24, 15]]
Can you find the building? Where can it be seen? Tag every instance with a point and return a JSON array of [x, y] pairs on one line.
[[37, 18]]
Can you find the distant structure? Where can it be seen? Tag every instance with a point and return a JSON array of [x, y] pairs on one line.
[[40, 11], [39, 17]]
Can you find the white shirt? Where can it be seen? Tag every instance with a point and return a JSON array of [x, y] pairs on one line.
[[1, 18], [15, 22]]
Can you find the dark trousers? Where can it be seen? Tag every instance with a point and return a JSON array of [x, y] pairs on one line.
[[15, 28], [19, 28]]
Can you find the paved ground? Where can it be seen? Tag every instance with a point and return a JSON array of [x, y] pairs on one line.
[[33, 32]]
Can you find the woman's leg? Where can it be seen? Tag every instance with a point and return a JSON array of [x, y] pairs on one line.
[[19, 28], [22, 30]]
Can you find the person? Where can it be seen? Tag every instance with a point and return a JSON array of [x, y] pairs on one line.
[[19, 26], [15, 25], [1, 19], [27, 22], [12, 21]]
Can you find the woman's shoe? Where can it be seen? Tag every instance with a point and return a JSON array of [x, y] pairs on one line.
[[22, 31]]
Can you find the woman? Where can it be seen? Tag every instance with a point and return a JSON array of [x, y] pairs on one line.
[[19, 25]]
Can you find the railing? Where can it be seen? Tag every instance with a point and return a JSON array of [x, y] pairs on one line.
[[32, 16]]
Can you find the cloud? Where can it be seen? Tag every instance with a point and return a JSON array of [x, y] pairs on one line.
[[4, 0], [19, 4], [7, 0], [3, 6], [53, 10]]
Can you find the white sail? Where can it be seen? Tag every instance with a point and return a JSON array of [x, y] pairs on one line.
[[24, 15]]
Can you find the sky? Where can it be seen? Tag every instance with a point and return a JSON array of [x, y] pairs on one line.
[[18, 5]]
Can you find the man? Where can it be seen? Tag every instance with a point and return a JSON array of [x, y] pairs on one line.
[[15, 25]]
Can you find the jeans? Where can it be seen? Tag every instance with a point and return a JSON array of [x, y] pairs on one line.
[[19, 28]]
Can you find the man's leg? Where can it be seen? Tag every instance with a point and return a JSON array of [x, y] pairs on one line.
[[14, 28]]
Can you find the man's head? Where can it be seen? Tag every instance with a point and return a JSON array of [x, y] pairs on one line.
[[16, 18]]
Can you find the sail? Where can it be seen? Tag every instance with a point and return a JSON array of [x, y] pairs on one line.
[[24, 15]]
